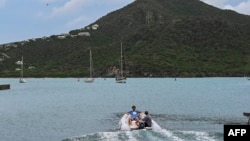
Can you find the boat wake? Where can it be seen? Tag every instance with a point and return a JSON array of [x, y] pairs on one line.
[[150, 135], [123, 133]]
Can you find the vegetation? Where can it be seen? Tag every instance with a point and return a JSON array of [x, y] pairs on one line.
[[173, 38]]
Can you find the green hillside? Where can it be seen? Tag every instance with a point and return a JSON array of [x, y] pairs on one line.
[[173, 38]]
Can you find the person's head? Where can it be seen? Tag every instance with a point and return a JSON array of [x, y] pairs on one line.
[[133, 107], [146, 112]]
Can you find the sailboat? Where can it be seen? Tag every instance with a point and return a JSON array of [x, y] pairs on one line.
[[247, 76], [22, 80], [119, 77], [90, 79]]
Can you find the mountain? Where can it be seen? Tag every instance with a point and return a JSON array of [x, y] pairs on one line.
[[173, 38]]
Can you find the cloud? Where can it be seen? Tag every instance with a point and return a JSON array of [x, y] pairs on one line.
[[59, 9], [49, 1], [89, 10], [73, 6], [243, 7], [216, 3], [76, 21], [235, 5], [69, 7]]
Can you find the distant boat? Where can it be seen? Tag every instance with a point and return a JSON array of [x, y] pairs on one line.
[[22, 80], [4, 86], [247, 115], [119, 77], [247, 76], [90, 79]]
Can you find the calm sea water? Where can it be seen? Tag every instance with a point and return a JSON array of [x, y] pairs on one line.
[[63, 109]]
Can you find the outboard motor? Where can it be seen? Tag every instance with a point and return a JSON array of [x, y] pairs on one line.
[[141, 125]]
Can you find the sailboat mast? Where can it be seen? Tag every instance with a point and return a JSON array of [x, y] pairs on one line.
[[121, 62], [90, 79], [22, 68], [90, 63]]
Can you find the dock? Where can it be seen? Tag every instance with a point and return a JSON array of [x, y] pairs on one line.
[[4, 86], [247, 115]]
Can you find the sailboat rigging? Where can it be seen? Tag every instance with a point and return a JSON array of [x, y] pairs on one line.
[[119, 77], [90, 78], [22, 80]]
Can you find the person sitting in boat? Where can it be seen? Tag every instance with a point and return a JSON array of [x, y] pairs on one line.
[[147, 120], [134, 115]]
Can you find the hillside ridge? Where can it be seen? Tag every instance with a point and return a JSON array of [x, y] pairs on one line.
[[173, 38]]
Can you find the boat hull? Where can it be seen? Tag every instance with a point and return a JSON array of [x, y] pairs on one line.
[[125, 126], [89, 80], [4, 86], [121, 81], [22, 80]]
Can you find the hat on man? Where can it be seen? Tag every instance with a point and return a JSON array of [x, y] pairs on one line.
[[146, 112]]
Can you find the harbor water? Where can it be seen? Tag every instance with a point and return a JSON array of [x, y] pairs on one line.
[[65, 109]]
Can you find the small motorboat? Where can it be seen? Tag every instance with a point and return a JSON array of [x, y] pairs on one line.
[[125, 126]]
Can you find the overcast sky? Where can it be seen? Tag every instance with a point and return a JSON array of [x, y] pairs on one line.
[[26, 19]]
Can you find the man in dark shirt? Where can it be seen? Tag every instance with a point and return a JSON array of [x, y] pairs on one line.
[[147, 119]]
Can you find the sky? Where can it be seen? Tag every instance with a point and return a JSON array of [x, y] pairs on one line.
[[26, 19]]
